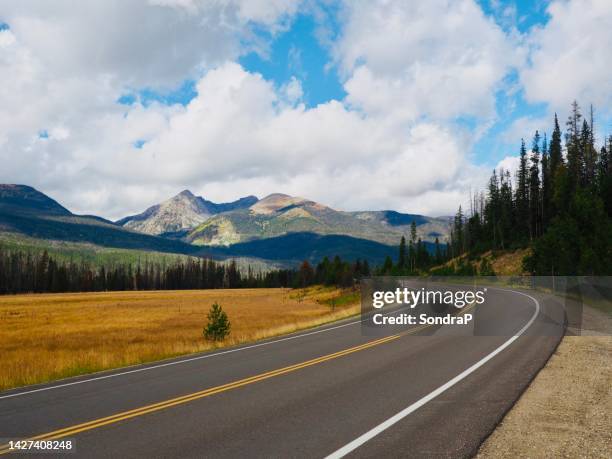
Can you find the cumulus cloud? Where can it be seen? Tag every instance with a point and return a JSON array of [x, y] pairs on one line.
[[525, 127], [570, 55], [510, 164], [156, 43], [436, 58]]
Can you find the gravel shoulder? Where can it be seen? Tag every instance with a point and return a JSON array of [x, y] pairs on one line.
[[567, 409]]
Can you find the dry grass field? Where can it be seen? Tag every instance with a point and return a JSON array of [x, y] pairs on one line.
[[50, 336]]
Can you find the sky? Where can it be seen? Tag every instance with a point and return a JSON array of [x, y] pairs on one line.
[[110, 107]]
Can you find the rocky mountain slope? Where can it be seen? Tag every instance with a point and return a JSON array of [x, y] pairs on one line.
[[181, 212], [279, 214]]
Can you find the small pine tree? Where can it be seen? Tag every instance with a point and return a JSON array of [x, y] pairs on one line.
[[218, 326]]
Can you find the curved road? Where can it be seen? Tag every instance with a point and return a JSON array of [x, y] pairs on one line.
[[418, 392]]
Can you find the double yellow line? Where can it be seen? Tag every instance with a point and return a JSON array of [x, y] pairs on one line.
[[73, 430], [69, 431]]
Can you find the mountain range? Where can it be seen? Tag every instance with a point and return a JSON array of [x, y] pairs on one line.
[[201, 222], [278, 227]]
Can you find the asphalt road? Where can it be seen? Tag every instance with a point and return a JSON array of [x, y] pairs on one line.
[[432, 392]]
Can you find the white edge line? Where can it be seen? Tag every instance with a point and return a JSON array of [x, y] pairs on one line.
[[177, 362], [418, 404]]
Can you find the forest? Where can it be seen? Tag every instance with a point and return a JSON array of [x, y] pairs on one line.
[[27, 272], [559, 204]]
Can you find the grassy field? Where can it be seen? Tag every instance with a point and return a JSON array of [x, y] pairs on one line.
[[51, 336]]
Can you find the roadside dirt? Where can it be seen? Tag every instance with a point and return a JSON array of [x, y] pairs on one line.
[[566, 411]]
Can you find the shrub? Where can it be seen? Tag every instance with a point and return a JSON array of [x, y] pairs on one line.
[[218, 326]]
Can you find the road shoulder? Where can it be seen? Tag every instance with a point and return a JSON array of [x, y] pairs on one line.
[[567, 409]]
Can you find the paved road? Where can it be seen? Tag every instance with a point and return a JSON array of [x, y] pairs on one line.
[[330, 391]]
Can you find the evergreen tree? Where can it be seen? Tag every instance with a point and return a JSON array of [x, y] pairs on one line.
[[534, 188], [457, 233], [574, 146], [545, 200], [218, 326], [387, 266], [522, 194], [412, 247], [401, 261], [438, 252]]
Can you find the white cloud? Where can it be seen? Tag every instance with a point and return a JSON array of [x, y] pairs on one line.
[[293, 90], [510, 164], [570, 55], [525, 127], [156, 43], [436, 58]]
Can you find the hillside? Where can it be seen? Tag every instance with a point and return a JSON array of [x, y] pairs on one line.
[[26, 211], [278, 215], [24, 199], [292, 248], [497, 262]]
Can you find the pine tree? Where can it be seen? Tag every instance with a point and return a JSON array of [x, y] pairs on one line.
[[438, 253], [401, 261], [574, 145], [493, 209], [458, 234], [522, 194], [412, 247], [534, 188], [218, 326], [587, 139], [387, 266], [545, 200]]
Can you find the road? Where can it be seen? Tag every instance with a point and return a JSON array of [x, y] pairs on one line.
[[426, 392]]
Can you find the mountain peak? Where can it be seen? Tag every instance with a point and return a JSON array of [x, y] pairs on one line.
[[275, 202], [279, 202], [185, 193], [24, 198], [179, 213]]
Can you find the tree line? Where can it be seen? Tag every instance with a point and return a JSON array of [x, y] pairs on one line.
[[559, 204], [413, 256], [30, 272]]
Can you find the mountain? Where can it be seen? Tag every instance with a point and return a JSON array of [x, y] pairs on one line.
[[284, 229], [290, 249], [26, 211], [179, 213], [27, 200], [279, 214]]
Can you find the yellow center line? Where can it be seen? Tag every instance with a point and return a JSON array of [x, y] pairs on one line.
[[72, 430]]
